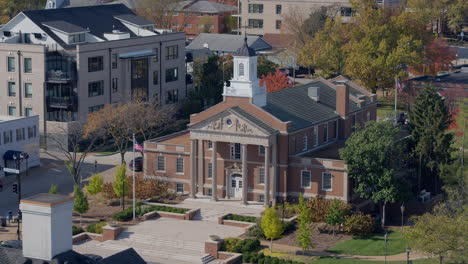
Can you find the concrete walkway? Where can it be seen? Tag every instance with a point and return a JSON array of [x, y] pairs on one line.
[[298, 250]]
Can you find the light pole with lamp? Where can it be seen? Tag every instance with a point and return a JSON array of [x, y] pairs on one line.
[[385, 256], [18, 158], [402, 209], [407, 255]]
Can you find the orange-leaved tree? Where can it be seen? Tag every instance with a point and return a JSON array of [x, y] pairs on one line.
[[275, 81], [438, 56]]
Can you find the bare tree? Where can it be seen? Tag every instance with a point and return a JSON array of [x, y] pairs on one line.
[[71, 141], [162, 12]]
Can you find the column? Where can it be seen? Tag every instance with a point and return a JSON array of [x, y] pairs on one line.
[[245, 184], [214, 179], [201, 163], [193, 168], [227, 185], [267, 176], [274, 173]]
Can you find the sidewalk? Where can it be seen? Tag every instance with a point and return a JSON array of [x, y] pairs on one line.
[[398, 257]]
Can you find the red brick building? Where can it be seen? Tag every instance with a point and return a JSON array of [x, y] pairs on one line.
[[203, 16], [264, 147]]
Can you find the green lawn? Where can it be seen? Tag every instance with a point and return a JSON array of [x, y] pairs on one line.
[[373, 245], [330, 260]]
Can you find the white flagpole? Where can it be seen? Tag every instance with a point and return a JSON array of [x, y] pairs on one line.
[[134, 177]]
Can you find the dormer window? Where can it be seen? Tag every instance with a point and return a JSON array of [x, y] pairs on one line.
[[150, 28], [77, 38], [241, 69]]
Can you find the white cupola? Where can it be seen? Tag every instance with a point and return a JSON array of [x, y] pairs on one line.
[[245, 82]]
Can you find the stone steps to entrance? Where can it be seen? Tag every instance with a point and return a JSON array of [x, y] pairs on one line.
[[179, 244]]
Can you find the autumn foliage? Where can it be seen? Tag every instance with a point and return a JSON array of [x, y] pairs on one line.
[[438, 56], [275, 81]]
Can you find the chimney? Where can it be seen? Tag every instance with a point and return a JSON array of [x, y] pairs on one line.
[[47, 225], [342, 99], [314, 93], [205, 45]]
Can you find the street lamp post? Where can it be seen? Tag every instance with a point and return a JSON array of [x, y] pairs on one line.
[[386, 237], [407, 255], [402, 208]]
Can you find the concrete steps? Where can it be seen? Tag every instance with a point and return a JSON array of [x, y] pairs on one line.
[[179, 244]]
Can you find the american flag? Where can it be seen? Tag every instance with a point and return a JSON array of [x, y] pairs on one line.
[[137, 146], [399, 86]]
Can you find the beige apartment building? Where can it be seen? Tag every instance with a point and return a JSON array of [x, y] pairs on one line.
[[62, 64]]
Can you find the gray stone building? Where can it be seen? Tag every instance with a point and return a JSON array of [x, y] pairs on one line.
[[62, 64]]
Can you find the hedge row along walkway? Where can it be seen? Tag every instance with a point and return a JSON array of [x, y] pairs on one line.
[[397, 257]]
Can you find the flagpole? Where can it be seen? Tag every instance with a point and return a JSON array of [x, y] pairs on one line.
[[134, 177]]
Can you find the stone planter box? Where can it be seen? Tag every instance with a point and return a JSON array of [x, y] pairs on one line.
[[85, 236], [292, 219], [108, 233], [245, 225], [229, 257], [187, 216]]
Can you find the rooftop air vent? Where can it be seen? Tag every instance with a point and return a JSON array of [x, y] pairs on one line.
[[314, 93]]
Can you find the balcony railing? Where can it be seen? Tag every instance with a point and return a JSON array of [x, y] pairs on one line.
[[54, 75], [61, 102]]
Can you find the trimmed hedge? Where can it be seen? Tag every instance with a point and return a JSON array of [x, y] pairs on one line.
[[77, 230], [260, 258], [96, 227], [141, 209], [242, 218]]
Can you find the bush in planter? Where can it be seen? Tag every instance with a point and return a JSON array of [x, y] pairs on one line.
[[359, 224], [257, 258], [77, 230], [247, 245], [242, 218], [230, 243], [256, 230], [96, 227]]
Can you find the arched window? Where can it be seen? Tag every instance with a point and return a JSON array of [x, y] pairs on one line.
[[241, 69]]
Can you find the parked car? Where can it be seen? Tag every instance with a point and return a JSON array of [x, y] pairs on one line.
[[138, 164]]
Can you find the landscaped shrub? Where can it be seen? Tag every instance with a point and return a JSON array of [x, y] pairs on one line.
[[145, 188], [77, 230], [142, 209], [318, 207], [108, 191], [230, 243], [289, 210], [359, 224], [96, 227], [247, 245], [260, 258], [256, 230], [242, 218], [289, 226]]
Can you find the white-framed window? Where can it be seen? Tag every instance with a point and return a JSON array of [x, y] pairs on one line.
[[305, 179], [210, 144], [304, 143], [179, 165], [325, 133], [236, 151], [210, 170], [261, 150], [327, 181], [261, 175], [335, 133], [261, 198], [315, 136], [179, 187], [161, 165], [368, 116], [241, 69], [210, 192]]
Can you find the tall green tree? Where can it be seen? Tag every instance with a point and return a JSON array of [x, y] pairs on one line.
[[81, 205], [304, 231], [272, 225], [335, 214], [372, 155], [120, 184], [429, 121], [95, 184]]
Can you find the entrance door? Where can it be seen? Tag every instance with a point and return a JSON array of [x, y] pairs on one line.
[[236, 186]]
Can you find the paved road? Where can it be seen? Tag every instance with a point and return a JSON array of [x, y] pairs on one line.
[[52, 171]]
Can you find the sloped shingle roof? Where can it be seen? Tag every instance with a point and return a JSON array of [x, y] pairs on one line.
[[254, 120], [204, 6], [227, 43]]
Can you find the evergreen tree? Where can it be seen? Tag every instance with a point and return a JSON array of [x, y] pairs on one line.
[[429, 120], [304, 231], [53, 189], [211, 83], [335, 214], [95, 184], [120, 185], [271, 225], [81, 202]]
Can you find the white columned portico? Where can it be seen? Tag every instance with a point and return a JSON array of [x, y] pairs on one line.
[[200, 166], [193, 168], [274, 172], [245, 183], [214, 171], [267, 176]]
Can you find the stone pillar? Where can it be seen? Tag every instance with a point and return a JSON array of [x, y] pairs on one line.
[[267, 176], [227, 185], [214, 179], [274, 173], [193, 168], [201, 163], [245, 184]]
